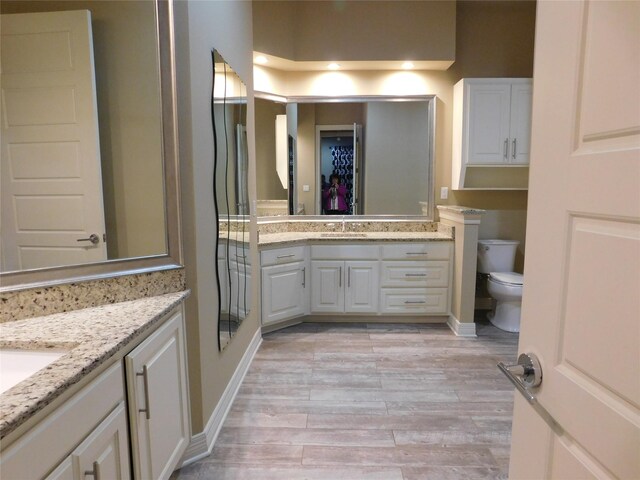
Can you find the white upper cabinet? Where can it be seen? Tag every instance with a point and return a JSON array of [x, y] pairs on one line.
[[491, 128]]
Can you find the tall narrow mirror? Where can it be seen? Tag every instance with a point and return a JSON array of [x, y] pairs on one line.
[[231, 197]]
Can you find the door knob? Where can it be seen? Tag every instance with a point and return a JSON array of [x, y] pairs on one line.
[[93, 238], [524, 375]]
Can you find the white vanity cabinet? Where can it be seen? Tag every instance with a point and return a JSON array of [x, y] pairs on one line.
[[491, 128], [285, 284], [158, 401], [88, 433], [415, 278], [344, 279], [234, 267]]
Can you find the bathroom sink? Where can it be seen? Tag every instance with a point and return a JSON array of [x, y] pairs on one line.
[[343, 234], [17, 365]]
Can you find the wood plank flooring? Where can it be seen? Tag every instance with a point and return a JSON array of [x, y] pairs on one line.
[[326, 401]]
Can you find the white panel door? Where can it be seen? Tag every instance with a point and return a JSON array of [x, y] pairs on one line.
[[327, 280], [50, 158], [581, 305], [158, 401], [488, 122], [520, 127], [283, 292], [361, 294], [105, 453]]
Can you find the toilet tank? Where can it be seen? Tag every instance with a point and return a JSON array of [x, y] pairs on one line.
[[496, 255]]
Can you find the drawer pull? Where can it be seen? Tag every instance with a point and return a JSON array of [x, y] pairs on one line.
[[304, 277], [340, 278], [416, 253], [240, 256], [286, 256], [415, 274], [94, 472], [411, 302], [145, 378]]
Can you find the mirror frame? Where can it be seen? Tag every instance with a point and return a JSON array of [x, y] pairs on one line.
[[430, 99], [20, 280]]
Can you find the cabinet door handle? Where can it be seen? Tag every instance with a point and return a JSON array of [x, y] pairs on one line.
[[340, 278], [415, 274], [145, 378], [424, 254], [94, 472], [506, 148], [410, 302], [304, 277], [349, 277], [513, 149], [286, 256]]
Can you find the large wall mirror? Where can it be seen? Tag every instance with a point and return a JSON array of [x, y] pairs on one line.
[[88, 169], [231, 197], [370, 156]]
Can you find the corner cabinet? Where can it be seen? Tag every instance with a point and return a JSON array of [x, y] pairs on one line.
[[158, 401], [491, 133]]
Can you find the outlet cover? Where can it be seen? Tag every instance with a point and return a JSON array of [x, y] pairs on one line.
[[305, 188], [444, 193]]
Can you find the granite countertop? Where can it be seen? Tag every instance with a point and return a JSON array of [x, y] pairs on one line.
[[92, 336], [285, 238]]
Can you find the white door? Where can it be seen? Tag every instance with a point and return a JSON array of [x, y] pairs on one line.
[[327, 294], [361, 294], [283, 292], [489, 112], [50, 158], [581, 305], [520, 125], [158, 401], [105, 453]]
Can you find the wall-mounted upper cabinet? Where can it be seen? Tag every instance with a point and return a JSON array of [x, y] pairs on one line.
[[491, 131]]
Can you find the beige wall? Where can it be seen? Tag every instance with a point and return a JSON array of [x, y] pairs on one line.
[[268, 185], [349, 30], [201, 26], [129, 119], [493, 39]]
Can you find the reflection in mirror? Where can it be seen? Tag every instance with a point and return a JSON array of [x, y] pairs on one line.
[[231, 197], [82, 133], [379, 151]]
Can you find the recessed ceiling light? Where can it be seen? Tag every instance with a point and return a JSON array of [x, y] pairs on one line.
[[407, 65], [333, 66], [261, 59]]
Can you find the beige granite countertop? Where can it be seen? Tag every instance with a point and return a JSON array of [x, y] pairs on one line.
[[92, 335], [285, 238]]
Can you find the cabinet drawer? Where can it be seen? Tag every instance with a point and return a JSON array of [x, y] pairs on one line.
[[415, 274], [345, 252], [282, 255], [417, 251], [414, 300]]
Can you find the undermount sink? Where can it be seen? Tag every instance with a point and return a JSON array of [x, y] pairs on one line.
[[343, 234], [17, 365]]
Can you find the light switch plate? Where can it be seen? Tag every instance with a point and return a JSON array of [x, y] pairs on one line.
[[444, 193], [305, 188]]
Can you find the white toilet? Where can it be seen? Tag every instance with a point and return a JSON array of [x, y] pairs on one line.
[[496, 258]]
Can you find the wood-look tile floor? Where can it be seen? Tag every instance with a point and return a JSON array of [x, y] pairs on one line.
[[325, 401]]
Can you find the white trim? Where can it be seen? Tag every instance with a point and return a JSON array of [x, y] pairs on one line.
[[202, 443], [465, 219], [461, 329]]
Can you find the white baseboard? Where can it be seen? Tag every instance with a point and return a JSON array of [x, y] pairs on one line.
[[461, 329], [202, 443]]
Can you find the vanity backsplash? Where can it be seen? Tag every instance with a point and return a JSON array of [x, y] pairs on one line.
[[336, 225], [34, 302]]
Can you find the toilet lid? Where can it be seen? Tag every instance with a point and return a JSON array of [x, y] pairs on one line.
[[510, 278]]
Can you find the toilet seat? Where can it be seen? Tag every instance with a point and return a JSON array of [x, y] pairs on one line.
[[507, 278]]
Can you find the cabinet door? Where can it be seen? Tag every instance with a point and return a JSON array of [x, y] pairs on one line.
[[361, 294], [327, 281], [520, 128], [158, 401], [488, 123], [224, 287], [105, 453], [240, 293], [283, 292]]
